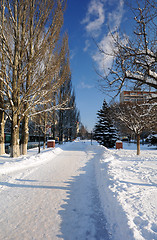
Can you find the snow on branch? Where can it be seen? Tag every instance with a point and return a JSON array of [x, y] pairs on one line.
[[135, 57]]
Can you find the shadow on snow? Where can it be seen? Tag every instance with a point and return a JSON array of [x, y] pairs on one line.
[[82, 215]]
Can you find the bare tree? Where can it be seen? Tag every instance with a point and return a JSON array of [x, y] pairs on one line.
[[137, 118], [53, 79], [47, 68], [50, 104], [135, 56]]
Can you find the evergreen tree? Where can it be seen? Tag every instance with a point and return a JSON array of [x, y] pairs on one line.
[[104, 131]]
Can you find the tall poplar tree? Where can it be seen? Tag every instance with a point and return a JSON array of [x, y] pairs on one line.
[[31, 32]]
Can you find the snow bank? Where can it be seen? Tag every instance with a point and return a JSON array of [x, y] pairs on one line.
[[128, 190], [33, 159], [15, 168]]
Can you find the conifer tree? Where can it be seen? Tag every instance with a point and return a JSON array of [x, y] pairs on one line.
[[104, 131]]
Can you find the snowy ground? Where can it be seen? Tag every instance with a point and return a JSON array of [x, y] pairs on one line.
[[79, 191], [128, 190]]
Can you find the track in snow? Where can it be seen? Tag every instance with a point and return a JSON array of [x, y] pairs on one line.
[[57, 200]]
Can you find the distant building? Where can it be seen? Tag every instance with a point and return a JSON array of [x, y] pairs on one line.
[[136, 96]]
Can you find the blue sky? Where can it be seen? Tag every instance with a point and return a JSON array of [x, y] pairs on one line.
[[84, 21]]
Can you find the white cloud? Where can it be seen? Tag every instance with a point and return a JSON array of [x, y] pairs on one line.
[[115, 17], [72, 53], [99, 14], [87, 45], [84, 85], [104, 61], [95, 17]]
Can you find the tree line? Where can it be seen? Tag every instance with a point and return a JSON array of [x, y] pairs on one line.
[[35, 77], [125, 118]]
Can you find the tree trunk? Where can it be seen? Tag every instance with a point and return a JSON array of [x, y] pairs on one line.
[[54, 118], [2, 144], [45, 124], [25, 136], [25, 128], [54, 132], [70, 134], [60, 127], [138, 144], [44, 145], [14, 150]]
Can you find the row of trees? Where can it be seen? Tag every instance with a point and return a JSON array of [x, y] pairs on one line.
[[134, 118], [62, 123], [35, 74]]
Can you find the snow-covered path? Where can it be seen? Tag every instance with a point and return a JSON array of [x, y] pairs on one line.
[[55, 200]]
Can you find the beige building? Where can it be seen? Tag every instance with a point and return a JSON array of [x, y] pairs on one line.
[[136, 96]]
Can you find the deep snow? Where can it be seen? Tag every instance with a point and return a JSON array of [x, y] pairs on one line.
[[79, 191]]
